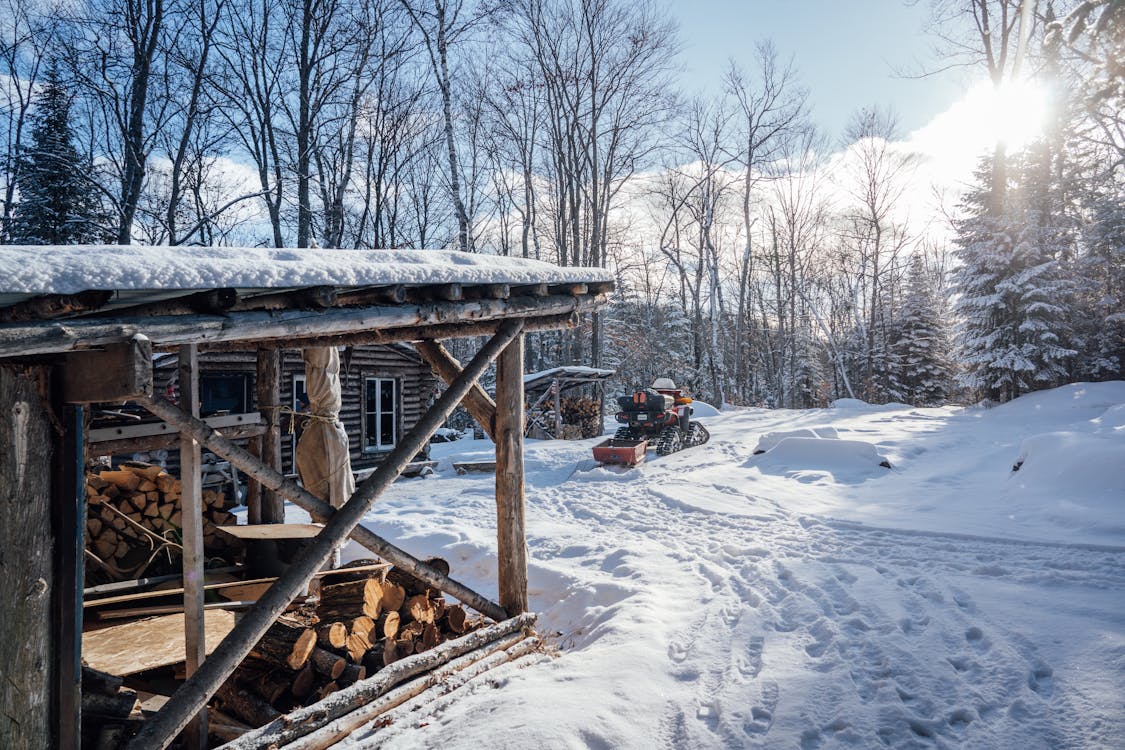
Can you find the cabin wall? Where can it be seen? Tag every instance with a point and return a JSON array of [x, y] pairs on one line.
[[27, 653], [416, 386]]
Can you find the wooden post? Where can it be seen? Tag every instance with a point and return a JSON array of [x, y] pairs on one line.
[[195, 736], [27, 651], [511, 547], [558, 409], [194, 693], [68, 512], [272, 507], [253, 486]]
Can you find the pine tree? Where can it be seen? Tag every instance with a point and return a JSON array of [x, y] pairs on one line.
[[920, 349], [1101, 294], [1012, 292], [57, 204]]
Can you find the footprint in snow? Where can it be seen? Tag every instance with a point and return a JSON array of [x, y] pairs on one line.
[[761, 715]]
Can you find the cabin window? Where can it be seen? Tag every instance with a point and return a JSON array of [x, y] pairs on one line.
[[223, 394], [380, 414]]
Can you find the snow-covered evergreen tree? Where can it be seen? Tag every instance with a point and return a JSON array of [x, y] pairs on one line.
[[922, 371], [57, 203], [1012, 293], [1101, 287]]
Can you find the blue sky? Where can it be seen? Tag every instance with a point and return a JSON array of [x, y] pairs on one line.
[[847, 52]]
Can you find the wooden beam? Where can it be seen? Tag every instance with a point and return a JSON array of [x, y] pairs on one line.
[[284, 327], [119, 372], [271, 507], [312, 297], [198, 688], [191, 497], [381, 295], [124, 446], [511, 547], [56, 306], [479, 404], [208, 301], [415, 333]]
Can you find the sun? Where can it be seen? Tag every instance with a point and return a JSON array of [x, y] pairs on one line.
[[1015, 113]]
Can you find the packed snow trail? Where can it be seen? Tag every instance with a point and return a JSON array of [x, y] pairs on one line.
[[695, 612]]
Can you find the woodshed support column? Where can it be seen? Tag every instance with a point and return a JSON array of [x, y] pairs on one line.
[[511, 542], [27, 654], [269, 398], [195, 735]]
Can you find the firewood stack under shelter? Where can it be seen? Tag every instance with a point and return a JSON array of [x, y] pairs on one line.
[[308, 654]]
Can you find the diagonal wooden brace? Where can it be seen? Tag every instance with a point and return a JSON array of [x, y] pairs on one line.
[[197, 690], [478, 403]]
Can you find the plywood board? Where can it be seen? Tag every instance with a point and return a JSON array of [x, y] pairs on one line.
[[273, 531], [146, 644]]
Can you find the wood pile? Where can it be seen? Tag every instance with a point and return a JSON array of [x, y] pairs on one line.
[[581, 412], [134, 520], [106, 708], [362, 623]]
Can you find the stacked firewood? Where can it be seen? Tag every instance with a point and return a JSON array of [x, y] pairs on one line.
[[134, 518], [581, 412], [361, 624]]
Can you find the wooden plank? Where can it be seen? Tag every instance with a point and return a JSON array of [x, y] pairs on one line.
[[27, 649], [127, 446], [132, 613], [163, 428], [117, 373], [223, 585], [69, 515], [191, 500], [274, 531], [510, 534], [115, 649]]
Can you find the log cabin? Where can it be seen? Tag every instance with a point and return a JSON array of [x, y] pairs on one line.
[[79, 327]]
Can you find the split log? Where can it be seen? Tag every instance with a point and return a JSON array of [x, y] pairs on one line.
[[388, 624], [286, 645], [123, 480], [94, 680], [393, 597], [246, 705], [430, 637], [420, 608], [455, 619], [225, 727], [113, 705], [351, 674], [358, 645], [270, 685], [304, 682], [333, 635], [327, 663], [340, 600], [412, 583]]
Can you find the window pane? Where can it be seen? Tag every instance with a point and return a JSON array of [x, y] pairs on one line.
[[387, 395], [387, 433], [370, 432], [219, 393]]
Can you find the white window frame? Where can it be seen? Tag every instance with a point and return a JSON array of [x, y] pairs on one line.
[[379, 446]]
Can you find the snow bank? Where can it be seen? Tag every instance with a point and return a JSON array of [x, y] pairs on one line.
[[771, 439], [1072, 480], [810, 459], [75, 268], [704, 409], [849, 403]]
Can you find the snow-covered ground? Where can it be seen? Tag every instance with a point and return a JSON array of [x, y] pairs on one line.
[[806, 596]]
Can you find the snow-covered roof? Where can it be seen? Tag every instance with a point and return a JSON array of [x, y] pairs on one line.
[[71, 269], [571, 371]]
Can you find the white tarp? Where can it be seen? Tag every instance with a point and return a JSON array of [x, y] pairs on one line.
[[322, 452]]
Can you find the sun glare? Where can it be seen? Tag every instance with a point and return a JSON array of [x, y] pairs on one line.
[[1015, 113]]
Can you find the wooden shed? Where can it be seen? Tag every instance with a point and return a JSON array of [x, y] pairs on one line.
[[79, 327]]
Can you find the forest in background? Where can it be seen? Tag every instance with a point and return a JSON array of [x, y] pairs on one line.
[[759, 260]]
